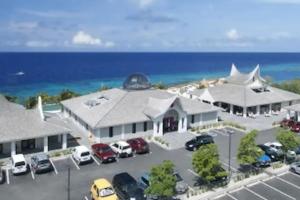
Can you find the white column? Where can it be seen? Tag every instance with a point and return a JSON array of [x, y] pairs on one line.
[[161, 128], [64, 141], [298, 116], [46, 144], [123, 132], [288, 115], [13, 148], [270, 108], [231, 109], [258, 110], [244, 111], [185, 123], [180, 124], [155, 128]]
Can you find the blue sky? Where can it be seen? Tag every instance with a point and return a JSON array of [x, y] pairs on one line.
[[150, 25]]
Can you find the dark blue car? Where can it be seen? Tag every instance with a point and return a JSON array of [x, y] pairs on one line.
[[263, 161]]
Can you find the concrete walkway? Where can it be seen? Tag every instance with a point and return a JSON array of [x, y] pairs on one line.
[[177, 140]]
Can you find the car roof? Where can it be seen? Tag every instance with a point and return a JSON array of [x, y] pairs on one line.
[[102, 183], [124, 178], [81, 148], [41, 156], [273, 143], [137, 139], [18, 158], [204, 136], [100, 145], [122, 143]]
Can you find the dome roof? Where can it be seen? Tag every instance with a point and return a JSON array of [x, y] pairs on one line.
[[137, 82]]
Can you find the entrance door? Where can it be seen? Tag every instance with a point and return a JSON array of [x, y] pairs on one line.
[[170, 124], [28, 144]]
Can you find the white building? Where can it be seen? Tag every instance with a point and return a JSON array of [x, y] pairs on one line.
[[246, 95], [137, 110], [23, 130]]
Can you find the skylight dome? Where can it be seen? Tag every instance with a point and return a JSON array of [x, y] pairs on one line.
[[136, 82]]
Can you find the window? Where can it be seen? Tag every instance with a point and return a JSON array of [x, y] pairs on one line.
[[1, 148], [158, 127], [193, 119], [145, 126], [111, 131], [290, 103], [134, 128]]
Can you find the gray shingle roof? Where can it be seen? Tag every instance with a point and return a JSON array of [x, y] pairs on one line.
[[124, 107], [17, 123]]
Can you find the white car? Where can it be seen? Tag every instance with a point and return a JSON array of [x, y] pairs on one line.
[[19, 164], [81, 154], [121, 148], [276, 146], [295, 167]]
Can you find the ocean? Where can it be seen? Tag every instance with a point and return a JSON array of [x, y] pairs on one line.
[[27, 74]]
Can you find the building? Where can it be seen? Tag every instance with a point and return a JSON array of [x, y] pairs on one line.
[[23, 130], [293, 111], [136, 110], [246, 95]]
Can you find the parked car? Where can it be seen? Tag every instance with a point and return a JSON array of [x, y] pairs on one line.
[[144, 183], [278, 147], [297, 150], [271, 152], [2, 176], [198, 141], [41, 163], [19, 164], [287, 123], [138, 145], [101, 189], [104, 152], [295, 167], [121, 148], [263, 161], [81, 154], [296, 127], [181, 186], [127, 188]]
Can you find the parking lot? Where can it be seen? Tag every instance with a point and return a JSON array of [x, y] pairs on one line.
[[283, 187], [54, 185]]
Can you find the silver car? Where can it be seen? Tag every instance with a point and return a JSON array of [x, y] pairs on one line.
[[295, 167], [181, 186], [40, 163]]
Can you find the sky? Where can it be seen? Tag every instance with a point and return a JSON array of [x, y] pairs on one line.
[[150, 25]]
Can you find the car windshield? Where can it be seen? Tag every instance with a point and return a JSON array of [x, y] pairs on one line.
[[41, 162], [20, 163], [106, 192], [126, 147], [104, 149], [178, 177], [85, 153]]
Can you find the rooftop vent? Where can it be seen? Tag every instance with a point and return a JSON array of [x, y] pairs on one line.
[[137, 82], [95, 102]]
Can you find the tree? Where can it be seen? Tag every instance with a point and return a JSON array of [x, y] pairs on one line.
[[206, 163], [67, 94], [47, 98], [160, 86], [13, 99], [248, 152], [292, 86], [288, 139], [31, 102], [162, 180]]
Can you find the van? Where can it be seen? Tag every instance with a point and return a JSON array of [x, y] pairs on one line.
[[19, 164]]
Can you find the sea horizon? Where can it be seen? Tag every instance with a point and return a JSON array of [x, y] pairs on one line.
[[26, 74]]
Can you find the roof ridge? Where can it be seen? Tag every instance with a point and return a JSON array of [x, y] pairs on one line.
[[126, 93]]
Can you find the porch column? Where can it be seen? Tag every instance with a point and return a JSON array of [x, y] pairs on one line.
[[161, 128], [154, 128], [258, 110], [64, 141], [231, 109], [123, 131], [183, 127], [270, 109], [288, 115], [13, 148], [180, 124], [244, 111], [46, 144], [298, 116]]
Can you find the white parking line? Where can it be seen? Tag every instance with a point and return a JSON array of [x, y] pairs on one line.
[[55, 170], [277, 190], [76, 165], [85, 198], [7, 176], [232, 168], [96, 161], [292, 184], [297, 175], [192, 171], [258, 195], [232, 197], [31, 171]]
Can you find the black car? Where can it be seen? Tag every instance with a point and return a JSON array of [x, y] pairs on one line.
[[2, 176], [198, 141], [274, 155], [126, 187]]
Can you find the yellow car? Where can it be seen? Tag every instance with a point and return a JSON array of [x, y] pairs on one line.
[[102, 190]]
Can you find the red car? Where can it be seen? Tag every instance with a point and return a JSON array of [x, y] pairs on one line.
[[288, 123], [104, 152], [296, 127], [138, 145]]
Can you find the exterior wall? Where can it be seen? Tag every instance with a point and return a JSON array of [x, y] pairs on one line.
[[210, 117]]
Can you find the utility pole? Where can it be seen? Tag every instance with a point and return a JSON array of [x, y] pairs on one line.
[[69, 182]]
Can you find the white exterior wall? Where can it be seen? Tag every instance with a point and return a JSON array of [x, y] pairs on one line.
[[210, 117]]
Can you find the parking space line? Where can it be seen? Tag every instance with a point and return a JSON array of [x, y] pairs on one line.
[[76, 165], [292, 184], [7, 176], [297, 175], [232, 197], [190, 188], [192, 171], [85, 198], [96, 161], [52, 163], [277, 190], [251, 191], [232, 168], [31, 171]]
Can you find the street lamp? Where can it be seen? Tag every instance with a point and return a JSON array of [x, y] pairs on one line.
[[69, 180]]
